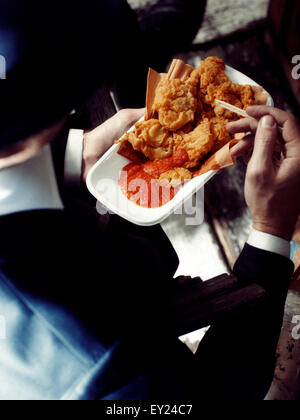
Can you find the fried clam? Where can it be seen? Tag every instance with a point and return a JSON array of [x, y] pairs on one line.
[[220, 133], [197, 144], [151, 139], [175, 177], [175, 103], [203, 110], [210, 72], [237, 95]]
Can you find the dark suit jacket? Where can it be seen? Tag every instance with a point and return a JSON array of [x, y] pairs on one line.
[[84, 300]]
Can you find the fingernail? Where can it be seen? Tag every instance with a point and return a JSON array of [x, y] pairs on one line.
[[268, 122]]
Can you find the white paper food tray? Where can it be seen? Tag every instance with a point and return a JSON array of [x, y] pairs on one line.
[[103, 178]]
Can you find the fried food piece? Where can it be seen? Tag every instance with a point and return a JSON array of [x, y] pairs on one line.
[[186, 129], [126, 150], [246, 94], [237, 95], [150, 138], [194, 79], [175, 102], [220, 134], [197, 144], [210, 72], [203, 110], [175, 177]]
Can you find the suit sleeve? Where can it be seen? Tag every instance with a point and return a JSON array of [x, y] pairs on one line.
[[237, 357]]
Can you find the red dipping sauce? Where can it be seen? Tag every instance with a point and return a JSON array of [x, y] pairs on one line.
[[140, 182]]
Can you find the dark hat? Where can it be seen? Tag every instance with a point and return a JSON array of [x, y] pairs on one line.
[[56, 52]]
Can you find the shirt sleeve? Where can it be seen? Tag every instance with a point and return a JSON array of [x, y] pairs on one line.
[[271, 243], [73, 158]]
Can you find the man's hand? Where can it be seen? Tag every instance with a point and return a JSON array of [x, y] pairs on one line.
[[98, 141], [272, 188]]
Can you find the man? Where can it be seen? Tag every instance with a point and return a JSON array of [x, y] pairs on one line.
[[85, 304], [85, 299]]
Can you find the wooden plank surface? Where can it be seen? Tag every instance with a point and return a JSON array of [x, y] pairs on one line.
[[286, 384]]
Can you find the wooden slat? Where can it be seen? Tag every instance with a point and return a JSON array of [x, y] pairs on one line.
[[198, 291], [227, 210], [295, 286], [198, 314], [286, 383], [196, 304], [222, 232]]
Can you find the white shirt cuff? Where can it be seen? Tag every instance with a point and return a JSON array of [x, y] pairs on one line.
[[270, 243], [73, 158]]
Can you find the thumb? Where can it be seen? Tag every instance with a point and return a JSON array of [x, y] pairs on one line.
[[128, 117], [265, 140]]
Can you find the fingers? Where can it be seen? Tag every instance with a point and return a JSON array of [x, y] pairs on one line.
[[99, 140], [124, 120], [243, 126], [128, 117], [116, 126], [281, 117], [264, 144], [243, 146], [291, 129]]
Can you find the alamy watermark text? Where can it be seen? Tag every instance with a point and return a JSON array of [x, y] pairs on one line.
[[296, 329], [296, 68]]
